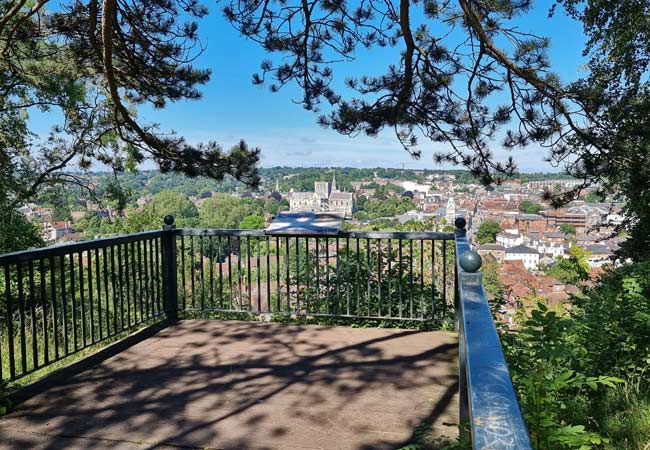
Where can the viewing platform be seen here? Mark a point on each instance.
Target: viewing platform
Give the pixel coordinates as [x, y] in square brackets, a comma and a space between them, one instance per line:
[252, 385]
[123, 322]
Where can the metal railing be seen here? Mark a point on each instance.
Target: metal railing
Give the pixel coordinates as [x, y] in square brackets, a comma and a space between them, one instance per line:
[489, 409]
[61, 300]
[361, 275]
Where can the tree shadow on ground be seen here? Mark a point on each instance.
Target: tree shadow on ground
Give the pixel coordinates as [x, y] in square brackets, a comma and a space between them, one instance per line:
[243, 385]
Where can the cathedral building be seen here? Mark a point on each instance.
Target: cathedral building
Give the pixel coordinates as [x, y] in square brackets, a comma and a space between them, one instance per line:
[325, 198]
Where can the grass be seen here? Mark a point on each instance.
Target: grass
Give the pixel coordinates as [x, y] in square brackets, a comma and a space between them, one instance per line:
[623, 414]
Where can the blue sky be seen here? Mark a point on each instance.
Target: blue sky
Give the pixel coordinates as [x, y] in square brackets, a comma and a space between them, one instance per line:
[233, 108]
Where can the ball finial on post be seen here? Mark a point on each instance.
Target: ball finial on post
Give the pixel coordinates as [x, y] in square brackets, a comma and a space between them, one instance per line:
[460, 223]
[470, 261]
[169, 220]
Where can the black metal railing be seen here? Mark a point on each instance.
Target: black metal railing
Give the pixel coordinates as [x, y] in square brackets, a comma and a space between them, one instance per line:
[62, 300]
[372, 275]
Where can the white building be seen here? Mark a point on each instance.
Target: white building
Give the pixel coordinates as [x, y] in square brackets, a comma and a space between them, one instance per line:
[415, 187]
[509, 240]
[450, 211]
[528, 255]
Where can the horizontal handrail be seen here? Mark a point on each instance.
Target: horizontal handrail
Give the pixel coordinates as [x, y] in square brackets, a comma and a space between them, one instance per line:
[75, 247]
[488, 399]
[405, 235]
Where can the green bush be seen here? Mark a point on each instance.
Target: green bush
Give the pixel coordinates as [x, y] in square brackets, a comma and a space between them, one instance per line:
[582, 377]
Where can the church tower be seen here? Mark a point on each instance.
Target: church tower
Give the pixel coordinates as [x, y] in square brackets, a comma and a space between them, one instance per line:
[334, 189]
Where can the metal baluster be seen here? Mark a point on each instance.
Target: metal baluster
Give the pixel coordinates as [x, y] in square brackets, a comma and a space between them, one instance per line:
[379, 313]
[158, 279]
[390, 259]
[317, 276]
[369, 276]
[338, 278]
[421, 279]
[259, 278]
[211, 260]
[114, 288]
[307, 274]
[400, 273]
[327, 276]
[21, 311]
[410, 278]
[32, 312]
[183, 268]
[239, 275]
[140, 289]
[91, 316]
[74, 304]
[153, 270]
[347, 281]
[248, 271]
[120, 275]
[146, 280]
[55, 331]
[268, 274]
[192, 271]
[221, 261]
[297, 276]
[357, 278]
[107, 312]
[10, 324]
[64, 307]
[277, 271]
[127, 279]
[230, 268]
[82, 299]
[433, 278]
[202, 276]
[444, 281]
[287, 262]
[46, 349]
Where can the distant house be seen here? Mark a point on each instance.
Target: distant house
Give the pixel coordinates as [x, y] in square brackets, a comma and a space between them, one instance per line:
[528, 255]
[509, 240]
[527, 223]
[52, 231]
[598, 255]
[496, 250]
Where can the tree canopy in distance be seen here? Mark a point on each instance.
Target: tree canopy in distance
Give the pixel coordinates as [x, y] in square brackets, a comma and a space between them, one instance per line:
[465, 74]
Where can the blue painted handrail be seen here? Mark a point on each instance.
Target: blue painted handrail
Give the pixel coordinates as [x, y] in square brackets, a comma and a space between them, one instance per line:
[488, 402]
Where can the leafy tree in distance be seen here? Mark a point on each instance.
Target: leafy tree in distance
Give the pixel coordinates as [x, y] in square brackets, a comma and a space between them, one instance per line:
[571, 270]
[178, 205]
[487, 232]
[224, 211]
[252, 222]
[18, 233]
[360, 203]
[530, 207]
[568, 229]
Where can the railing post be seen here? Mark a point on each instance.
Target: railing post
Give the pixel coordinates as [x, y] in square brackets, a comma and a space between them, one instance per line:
[463, 407]
[170, 282]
